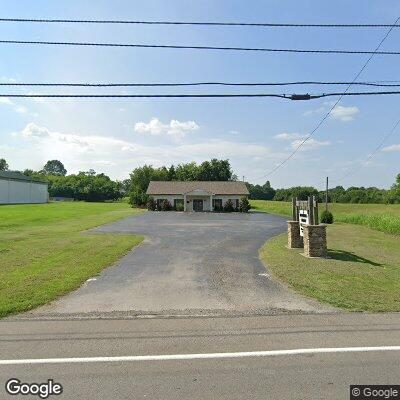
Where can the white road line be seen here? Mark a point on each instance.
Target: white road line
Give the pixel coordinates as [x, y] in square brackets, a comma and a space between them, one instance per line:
[168, 357]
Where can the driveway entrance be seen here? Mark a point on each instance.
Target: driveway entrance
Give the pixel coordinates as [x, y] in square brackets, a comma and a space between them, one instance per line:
[193, 263]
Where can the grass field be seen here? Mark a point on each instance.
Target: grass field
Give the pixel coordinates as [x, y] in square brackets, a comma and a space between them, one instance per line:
[44, 251]
[362, 273]
[381, 217]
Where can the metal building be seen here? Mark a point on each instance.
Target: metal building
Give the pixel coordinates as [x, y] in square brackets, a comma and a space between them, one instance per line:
[16, 188]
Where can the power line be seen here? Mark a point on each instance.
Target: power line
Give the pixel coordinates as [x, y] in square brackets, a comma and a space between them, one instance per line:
[369, 157]
[326, 116]
[177, 84]
[249, 24]
[296, 97]
[180, 47]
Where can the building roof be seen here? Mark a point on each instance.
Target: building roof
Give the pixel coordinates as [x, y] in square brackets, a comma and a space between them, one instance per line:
[17, 176]
[181, 187]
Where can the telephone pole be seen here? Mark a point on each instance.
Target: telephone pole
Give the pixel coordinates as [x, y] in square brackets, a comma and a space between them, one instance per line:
[326, 194]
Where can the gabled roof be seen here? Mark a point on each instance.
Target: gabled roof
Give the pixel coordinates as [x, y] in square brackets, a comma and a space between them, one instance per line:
[17, 176]
[181, 187]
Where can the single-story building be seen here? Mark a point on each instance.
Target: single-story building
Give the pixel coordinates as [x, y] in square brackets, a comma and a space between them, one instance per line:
[198, 195]
[16, 188]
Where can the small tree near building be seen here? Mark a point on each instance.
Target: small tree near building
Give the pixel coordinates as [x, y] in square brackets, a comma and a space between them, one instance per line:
[151, 204]
[166, 206]
[244, 205]
[228, 207]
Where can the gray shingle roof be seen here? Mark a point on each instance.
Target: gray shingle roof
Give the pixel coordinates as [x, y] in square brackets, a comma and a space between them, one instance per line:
[17, 176]
[180, 187]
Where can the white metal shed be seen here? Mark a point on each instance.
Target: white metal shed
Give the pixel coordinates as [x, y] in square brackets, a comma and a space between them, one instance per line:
[16, 188]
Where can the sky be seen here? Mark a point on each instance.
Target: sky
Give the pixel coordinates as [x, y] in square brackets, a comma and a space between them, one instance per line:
[115, 136]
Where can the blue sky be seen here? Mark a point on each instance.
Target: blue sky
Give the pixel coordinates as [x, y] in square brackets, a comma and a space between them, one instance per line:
[114, 136]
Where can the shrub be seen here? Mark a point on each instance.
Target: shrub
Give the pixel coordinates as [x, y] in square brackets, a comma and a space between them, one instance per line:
[326, 217]
[179, 206]
[228, 207]
[244, 205]
[151, 204]
[138, 198]
[166, 205]
[218, 207]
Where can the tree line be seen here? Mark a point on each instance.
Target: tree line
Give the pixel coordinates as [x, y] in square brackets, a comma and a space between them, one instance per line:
[86, 186]
[91, 186]
[338, 194]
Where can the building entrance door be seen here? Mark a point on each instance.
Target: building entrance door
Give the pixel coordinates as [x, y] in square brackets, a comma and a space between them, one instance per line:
[197, 205]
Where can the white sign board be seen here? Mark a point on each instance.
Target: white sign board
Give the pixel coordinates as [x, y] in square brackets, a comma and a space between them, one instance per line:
[303, 219]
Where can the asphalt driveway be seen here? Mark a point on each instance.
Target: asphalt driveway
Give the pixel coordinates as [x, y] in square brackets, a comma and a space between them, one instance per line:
[191, 262]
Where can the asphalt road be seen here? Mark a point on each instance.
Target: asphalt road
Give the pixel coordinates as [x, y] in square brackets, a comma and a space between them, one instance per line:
[312, 376]
[193, 262]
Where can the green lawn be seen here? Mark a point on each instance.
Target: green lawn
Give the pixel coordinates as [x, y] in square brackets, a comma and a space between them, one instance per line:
[45, 251]
[381, 217]
[362, 273]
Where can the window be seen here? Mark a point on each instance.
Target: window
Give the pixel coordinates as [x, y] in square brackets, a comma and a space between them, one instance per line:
[217, 204]
[159, 203]
[178, 204]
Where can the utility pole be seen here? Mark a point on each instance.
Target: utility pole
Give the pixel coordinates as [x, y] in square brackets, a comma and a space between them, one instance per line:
[326, 194]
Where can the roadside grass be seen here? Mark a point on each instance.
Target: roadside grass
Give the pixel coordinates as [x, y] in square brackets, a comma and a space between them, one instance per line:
[45, 250]
[381, 217]
[362, 273]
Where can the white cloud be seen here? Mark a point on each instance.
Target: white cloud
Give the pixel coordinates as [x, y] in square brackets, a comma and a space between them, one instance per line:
[21, 110]
[310, 144]
[340, 113]
[175, 129]
[393, 147]
[289, 136]
[33, 130]
[118, 157]
[6, 100]
[18, 109]
[343, 113]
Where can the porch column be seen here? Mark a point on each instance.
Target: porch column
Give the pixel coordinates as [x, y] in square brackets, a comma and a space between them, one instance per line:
[211, 205]
[184, 202]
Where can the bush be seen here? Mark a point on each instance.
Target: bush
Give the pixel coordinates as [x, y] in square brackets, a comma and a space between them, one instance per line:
[228, 207]
[326, 217]
[179, 206]
[244, 205]
[166, 205]
[137, 198]
[151, 205]
[218, 208]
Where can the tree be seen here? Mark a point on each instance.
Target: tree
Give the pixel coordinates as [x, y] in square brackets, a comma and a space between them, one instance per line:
[3, 165]
[393, 196]
[54, 167]
[244, 205]
[216, 170]
[258, 192]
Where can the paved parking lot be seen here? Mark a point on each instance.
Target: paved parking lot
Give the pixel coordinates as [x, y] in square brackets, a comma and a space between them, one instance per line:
[193, 262]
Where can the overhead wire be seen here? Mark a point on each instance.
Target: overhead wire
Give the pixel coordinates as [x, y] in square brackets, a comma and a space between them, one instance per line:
[212, 83]
[326, 116]
[192, 47]
[196, 23]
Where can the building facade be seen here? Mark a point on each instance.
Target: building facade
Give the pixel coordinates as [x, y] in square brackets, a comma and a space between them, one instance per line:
[197, 195]
[16, 188]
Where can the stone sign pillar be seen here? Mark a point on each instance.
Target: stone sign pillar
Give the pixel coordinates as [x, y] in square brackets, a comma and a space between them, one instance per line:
[315, 241]
[295, 241]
